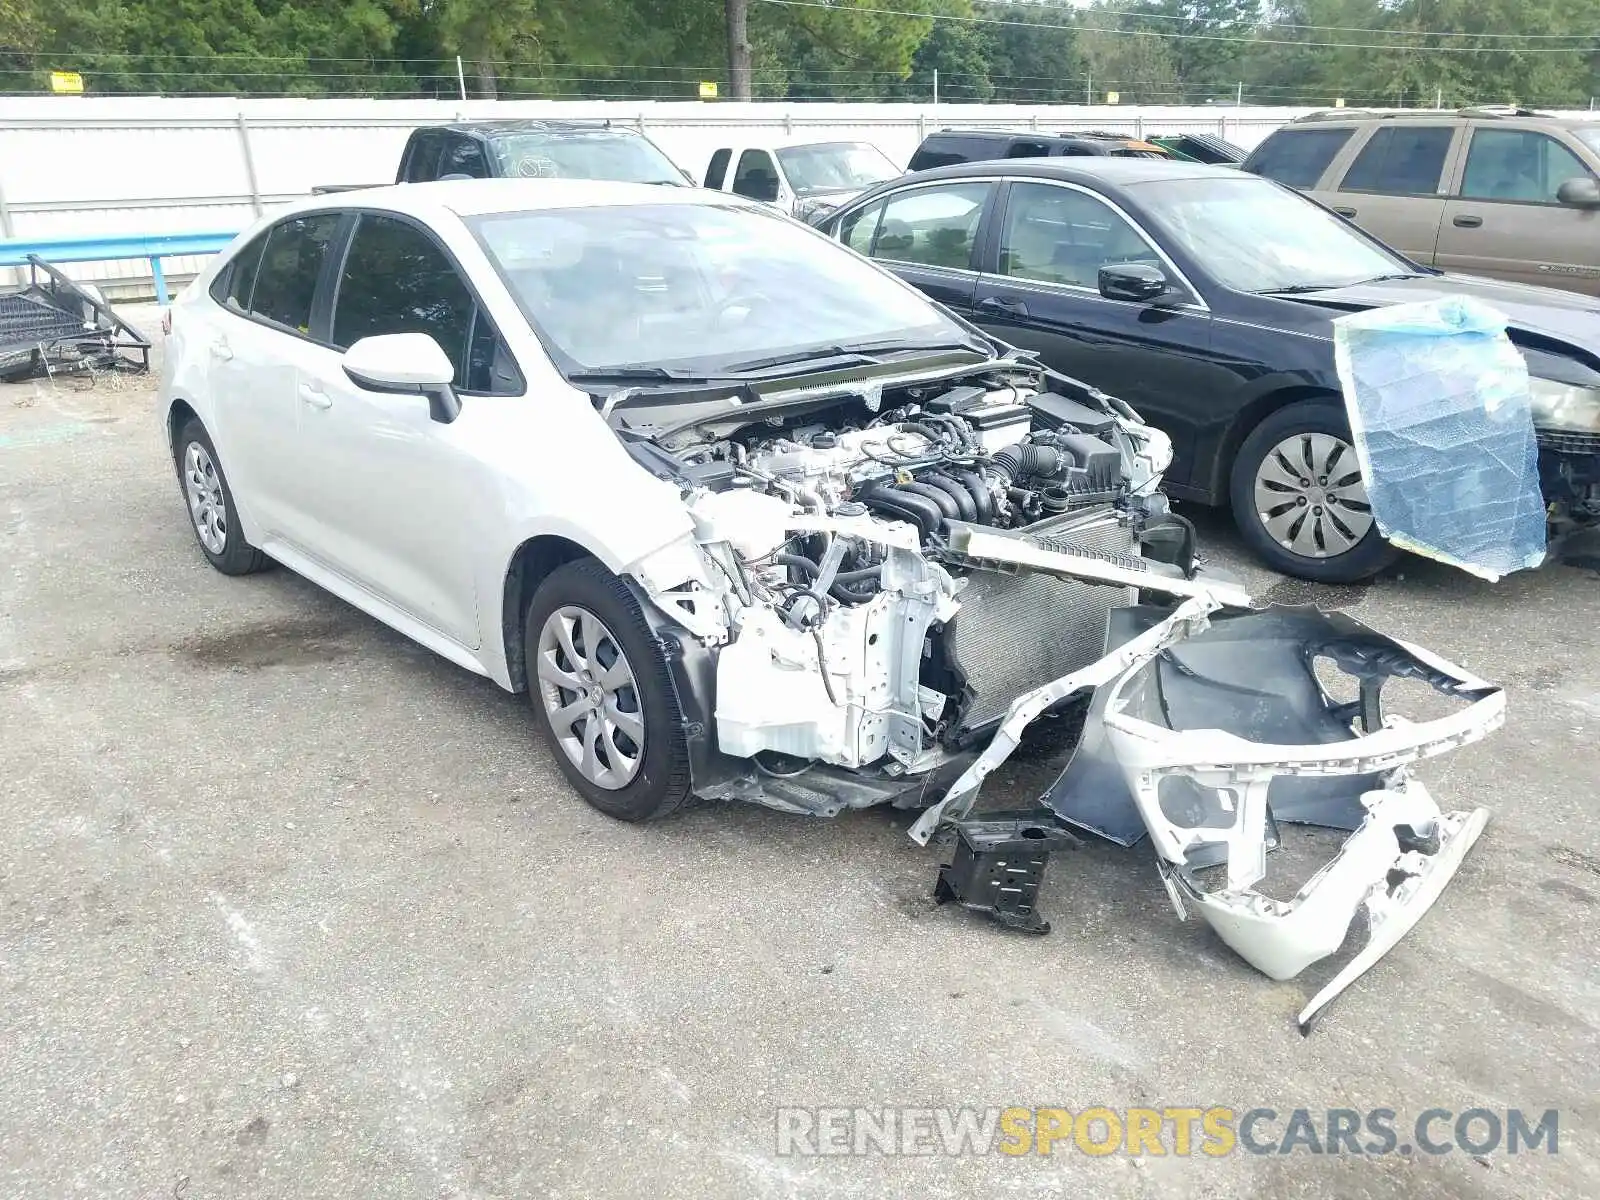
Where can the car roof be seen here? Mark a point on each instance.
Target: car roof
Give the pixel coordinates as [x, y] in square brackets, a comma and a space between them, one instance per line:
[1099, 135]
[482, 197]
[1364, 116]
[531, 125]
[1116, 171]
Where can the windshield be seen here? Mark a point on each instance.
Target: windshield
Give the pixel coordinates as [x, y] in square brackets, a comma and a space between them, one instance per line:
[835, 166]
[583, 154]
[1589, 135]
[1255, 236]
[696, 287]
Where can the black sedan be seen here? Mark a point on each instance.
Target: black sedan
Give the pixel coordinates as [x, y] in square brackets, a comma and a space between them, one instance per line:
[1205, 298]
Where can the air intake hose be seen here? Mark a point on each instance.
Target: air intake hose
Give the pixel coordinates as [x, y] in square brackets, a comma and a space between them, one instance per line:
[1025, 459]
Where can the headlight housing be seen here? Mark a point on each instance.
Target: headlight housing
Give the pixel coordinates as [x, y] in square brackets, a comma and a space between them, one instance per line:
[1566, 406]
[1564, 392]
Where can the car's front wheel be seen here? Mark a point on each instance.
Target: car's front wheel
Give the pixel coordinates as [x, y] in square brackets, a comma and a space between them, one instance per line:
[602, 694]
[1299, 499]
[212, 515]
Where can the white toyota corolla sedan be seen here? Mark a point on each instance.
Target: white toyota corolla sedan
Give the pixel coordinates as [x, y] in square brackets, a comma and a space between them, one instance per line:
[749, 518]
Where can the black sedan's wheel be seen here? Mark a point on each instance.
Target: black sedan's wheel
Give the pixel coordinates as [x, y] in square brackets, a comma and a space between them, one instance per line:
[602, 694]
[212, 515]
[1299, 499]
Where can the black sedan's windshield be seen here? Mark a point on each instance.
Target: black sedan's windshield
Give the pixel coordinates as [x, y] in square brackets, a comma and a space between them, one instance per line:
[699, 288]
[1254, 236]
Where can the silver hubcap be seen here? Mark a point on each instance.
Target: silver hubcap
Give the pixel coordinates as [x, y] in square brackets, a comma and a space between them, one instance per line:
[591, 697]
[206, 505]
[1310, 497]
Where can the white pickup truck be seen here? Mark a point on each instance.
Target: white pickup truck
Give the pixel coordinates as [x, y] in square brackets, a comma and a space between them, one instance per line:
[807, 180]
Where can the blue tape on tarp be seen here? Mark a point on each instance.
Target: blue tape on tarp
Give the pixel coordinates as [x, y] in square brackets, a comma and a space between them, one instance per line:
[1439, 405]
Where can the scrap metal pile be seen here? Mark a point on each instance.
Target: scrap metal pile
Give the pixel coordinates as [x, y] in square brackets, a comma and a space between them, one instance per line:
[54, 325]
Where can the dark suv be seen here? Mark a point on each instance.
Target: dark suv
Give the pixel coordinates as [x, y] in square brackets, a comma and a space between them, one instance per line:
[949, 147]
[537, 150]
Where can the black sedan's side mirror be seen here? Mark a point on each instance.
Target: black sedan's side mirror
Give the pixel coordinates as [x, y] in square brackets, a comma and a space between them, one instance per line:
[1138, 282]
[1582, 192]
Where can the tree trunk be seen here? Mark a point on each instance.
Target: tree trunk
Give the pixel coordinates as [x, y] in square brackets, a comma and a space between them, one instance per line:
[739, 48]
[488, 83]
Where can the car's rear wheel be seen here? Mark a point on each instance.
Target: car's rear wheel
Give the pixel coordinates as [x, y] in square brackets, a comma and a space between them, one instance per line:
[212, 515]
[602, 694]
[1299, 499]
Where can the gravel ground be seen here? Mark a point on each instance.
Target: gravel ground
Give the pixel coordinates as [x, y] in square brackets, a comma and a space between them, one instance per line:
[292, 908]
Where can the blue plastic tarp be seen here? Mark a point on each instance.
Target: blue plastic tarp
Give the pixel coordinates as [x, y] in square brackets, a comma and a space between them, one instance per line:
[1438, 402]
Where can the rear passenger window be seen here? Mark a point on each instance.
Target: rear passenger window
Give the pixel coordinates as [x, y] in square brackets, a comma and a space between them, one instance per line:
[1297, 157]
[396, 279]
[718, 170]
[1400, 160]
[233, 286]
[286, 282]
[1028, 150]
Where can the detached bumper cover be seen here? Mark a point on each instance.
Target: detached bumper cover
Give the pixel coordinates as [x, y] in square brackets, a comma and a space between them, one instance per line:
[1210, 726]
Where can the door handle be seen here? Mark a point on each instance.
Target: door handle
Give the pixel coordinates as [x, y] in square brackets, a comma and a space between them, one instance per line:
[1003, 304]
[1345, 212]
[220, 349]
[1466, 221]
[315, 396]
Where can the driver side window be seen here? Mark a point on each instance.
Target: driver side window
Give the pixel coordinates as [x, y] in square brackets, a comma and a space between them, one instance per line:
[756, 176]
[1518, 165]
[932, 226]
[1061, 235]
[396, 279]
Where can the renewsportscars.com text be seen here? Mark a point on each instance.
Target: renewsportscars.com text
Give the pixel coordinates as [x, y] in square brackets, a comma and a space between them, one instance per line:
[1180, 1131]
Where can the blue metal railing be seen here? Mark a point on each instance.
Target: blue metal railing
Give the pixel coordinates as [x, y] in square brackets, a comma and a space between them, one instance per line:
[14, 252]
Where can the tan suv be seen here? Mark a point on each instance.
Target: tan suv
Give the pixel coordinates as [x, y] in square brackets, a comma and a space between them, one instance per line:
[1507, 193]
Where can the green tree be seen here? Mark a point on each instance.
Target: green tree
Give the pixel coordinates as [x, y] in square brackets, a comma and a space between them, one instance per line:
[1033, 65]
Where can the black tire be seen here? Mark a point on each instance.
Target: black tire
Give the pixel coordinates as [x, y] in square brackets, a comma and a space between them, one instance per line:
[661, 785]
[1364, 559]
[236, 556]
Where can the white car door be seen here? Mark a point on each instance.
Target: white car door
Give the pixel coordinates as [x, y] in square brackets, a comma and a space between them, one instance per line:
[400, 499]
[253, 345]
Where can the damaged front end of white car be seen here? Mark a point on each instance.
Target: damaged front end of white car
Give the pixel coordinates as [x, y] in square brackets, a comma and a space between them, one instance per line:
[891, 575]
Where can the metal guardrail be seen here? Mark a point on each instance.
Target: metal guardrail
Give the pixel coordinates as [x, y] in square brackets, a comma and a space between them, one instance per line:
[17, 252]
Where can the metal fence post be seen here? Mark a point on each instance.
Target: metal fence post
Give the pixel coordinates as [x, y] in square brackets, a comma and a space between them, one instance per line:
[5, 216]
[249, 174]
[1138, 126]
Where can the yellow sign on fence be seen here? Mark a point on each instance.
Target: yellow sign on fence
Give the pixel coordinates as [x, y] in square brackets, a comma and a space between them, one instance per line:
[66, 81]
[708, 90]
[1113, 97]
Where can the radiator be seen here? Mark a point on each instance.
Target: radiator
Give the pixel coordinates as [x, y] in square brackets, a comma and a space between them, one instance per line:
[1015, 632]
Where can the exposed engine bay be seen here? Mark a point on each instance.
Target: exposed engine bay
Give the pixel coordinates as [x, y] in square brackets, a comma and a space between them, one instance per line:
[863, 634]
[888, 584]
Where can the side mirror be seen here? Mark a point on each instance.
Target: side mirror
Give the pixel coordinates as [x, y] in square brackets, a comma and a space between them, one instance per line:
[1582, 192]
[407, 364]
[1138, 282]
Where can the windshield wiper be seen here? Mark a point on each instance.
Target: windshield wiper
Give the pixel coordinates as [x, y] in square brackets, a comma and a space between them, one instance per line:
[1298, 289]
[853, 352]
[638, 375]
